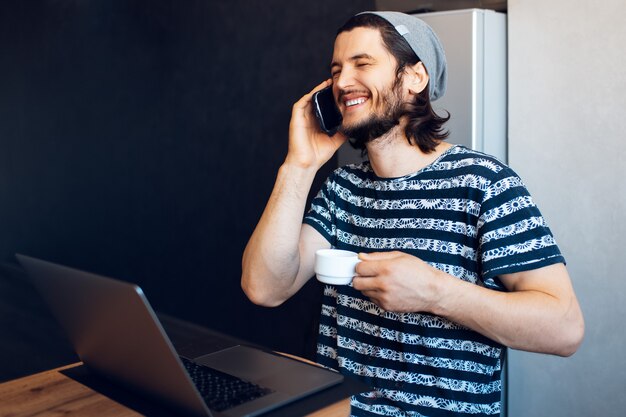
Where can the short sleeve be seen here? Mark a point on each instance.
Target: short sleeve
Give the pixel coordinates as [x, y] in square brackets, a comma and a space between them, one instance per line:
[513, 235]
[320, 215]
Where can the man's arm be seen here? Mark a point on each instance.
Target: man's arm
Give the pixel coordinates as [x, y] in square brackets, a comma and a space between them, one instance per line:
[279, 257]
[280, 254]
[540, 313]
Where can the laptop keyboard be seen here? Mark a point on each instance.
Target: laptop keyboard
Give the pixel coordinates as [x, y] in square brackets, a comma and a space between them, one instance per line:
[220, 390]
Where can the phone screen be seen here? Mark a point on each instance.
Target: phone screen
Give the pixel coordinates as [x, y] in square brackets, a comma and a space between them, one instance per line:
[326, 111]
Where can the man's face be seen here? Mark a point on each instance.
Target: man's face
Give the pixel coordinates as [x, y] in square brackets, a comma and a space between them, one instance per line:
[368, 93]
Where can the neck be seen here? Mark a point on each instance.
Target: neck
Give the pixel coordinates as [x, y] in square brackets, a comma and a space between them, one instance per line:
[392, 156]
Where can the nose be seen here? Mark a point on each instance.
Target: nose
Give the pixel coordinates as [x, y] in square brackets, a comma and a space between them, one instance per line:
[345, 79]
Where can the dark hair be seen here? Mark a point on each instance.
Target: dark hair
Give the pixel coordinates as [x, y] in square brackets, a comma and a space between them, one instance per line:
[425, 127]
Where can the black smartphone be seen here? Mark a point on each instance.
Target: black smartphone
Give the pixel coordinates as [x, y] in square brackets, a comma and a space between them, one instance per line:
[326, 111]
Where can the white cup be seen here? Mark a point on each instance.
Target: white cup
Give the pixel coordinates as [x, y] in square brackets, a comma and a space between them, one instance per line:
[335, 266]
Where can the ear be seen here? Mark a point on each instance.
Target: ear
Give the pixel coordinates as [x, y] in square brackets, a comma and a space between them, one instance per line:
[417, 78]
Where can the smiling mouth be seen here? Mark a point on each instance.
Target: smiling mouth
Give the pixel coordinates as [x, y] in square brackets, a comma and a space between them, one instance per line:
[355, 101]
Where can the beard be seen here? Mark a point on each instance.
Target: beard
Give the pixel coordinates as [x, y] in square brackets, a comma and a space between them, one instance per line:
[377, 125]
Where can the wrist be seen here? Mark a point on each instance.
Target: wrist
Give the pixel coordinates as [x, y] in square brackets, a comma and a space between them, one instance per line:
[295, 179]
[298, 169]
[441, 294]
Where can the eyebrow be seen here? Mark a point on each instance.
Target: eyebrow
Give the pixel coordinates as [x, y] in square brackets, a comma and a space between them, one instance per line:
[352, 58]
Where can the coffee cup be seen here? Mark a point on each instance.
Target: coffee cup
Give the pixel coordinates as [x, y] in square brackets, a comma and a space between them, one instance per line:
[335, 266]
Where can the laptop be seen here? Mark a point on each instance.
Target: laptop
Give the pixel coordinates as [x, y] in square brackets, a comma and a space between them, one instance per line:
[118, 336]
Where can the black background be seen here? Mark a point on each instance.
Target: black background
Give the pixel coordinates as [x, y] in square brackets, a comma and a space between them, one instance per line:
[141, 139]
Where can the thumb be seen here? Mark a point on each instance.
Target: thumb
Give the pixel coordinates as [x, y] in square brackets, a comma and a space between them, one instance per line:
[378, 256]
[339, 139]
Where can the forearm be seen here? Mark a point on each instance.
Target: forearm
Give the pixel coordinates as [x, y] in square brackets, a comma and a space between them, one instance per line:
[539, 313]
[524, 319]
[271, 258]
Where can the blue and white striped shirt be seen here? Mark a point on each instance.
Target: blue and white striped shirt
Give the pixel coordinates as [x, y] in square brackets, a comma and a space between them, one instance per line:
[466, 214]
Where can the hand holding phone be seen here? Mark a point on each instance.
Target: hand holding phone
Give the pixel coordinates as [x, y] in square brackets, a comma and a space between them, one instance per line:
[326, 111]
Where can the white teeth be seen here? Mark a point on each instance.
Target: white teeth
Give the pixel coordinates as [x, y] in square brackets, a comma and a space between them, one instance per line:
[355, 101]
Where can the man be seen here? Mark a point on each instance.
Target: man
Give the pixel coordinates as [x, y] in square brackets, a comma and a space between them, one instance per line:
[457, 261]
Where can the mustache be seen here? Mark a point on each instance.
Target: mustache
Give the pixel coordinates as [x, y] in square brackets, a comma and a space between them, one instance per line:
[343, 93]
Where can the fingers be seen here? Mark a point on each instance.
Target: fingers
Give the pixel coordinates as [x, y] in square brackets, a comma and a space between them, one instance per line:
[323, 84]
[306, 99]
[365, 285]
[377, 263]
[379, 256]
[372, 268]
[373, 297]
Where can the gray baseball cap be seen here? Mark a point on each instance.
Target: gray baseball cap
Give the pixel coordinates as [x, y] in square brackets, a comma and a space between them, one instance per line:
[426, 45]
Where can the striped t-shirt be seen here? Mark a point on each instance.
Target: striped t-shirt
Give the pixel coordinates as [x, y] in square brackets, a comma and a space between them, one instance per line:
[466, 214]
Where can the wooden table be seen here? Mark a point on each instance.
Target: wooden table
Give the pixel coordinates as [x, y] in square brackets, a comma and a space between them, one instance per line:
[54, 393]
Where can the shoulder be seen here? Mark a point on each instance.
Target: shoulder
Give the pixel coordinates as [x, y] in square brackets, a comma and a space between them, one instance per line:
[491, 169]
[360, 169]
[353, 173]
[460, 156]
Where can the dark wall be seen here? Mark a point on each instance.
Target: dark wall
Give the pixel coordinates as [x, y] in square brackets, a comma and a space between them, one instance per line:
[140, 139]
